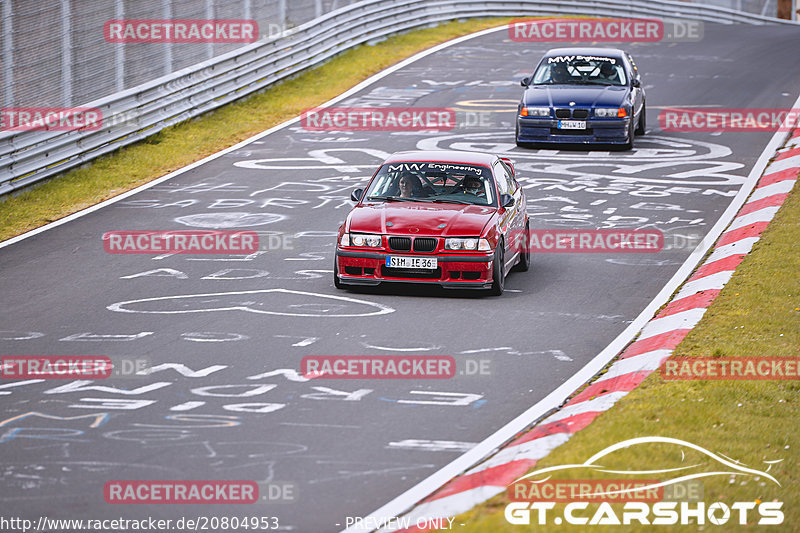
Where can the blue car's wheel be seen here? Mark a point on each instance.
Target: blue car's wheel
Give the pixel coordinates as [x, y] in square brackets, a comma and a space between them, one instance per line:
[629, 145]
[640, 127]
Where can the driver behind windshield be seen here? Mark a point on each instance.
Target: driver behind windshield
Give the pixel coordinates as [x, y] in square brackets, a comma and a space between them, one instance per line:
[472, 185]
[559, 73]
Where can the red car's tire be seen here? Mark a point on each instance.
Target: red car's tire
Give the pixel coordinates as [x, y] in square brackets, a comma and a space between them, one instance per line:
[525, 255]
[336, 282]
[498, 277]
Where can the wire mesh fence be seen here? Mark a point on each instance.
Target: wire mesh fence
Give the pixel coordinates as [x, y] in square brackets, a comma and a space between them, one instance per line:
[54, 53]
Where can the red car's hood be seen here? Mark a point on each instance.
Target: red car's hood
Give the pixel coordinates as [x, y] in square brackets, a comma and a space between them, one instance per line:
[406, 218]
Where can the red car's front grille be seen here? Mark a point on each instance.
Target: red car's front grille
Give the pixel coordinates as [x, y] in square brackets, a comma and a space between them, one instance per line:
[424, 244]
[420, 244]
[400, 244]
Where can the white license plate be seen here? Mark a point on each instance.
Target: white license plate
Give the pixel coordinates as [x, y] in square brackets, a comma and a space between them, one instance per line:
[425, 263]
[572, 124]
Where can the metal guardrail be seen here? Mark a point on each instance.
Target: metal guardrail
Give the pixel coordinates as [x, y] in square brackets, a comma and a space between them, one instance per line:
[132, 115]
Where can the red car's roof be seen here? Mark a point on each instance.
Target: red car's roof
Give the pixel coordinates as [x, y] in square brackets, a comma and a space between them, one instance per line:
[442, 156]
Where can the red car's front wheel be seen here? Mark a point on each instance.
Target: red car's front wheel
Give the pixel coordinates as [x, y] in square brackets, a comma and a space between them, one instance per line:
[498, 271]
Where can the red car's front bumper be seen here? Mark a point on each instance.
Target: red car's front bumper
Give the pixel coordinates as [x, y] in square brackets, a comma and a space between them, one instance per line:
[465, 271]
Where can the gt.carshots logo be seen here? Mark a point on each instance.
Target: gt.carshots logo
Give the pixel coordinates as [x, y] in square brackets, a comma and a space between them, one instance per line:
[378, 119]
[640, 499]
[180, 31]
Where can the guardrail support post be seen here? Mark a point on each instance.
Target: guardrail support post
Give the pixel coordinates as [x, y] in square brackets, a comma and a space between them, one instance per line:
[119, 50]
[167, 46]
[282, 14]
[66, 52]
[8, 55]
[209, 16]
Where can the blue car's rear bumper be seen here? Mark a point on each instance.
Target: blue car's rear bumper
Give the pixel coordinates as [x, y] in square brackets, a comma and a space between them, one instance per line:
[598, 131]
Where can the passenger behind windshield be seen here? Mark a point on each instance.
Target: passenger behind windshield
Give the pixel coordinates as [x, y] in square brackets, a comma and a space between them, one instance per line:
[410, 187]
[569, 71]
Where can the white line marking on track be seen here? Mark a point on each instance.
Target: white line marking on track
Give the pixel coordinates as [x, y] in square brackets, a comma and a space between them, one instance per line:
[762, 215]
[448, 506]
[683, 320]
[601, 403]
[483, 350]
[781, 187]
[391, 349]
[783, 164]
[742, 246]
[706, 283]
[534, 449]
[245, 306]
[647, 361]
[432, 445]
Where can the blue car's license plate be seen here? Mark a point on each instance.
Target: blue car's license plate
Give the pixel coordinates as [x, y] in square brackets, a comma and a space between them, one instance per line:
[572, 124]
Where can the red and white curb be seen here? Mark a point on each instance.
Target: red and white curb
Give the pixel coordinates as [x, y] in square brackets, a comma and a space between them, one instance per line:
[638, 360]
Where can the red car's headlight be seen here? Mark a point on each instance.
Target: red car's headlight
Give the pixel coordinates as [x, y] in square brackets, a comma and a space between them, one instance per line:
[467, 244]
[361, 239]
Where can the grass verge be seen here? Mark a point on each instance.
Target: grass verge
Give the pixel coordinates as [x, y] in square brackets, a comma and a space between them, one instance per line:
[756, 314]
[192, 140]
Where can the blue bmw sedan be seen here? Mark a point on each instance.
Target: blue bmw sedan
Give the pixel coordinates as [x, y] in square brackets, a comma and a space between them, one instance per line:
[582, 96]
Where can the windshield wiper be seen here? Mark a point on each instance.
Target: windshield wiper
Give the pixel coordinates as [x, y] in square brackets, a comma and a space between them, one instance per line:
[392, 198]
[451, 201]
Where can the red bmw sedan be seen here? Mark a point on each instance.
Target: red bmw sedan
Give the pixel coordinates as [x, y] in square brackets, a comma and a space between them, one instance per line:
[440, 217]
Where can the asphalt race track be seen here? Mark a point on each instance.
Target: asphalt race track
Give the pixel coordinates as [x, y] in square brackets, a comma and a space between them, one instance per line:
[240, 325]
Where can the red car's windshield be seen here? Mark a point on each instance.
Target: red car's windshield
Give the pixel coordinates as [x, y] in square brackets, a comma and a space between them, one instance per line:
[433, 182]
